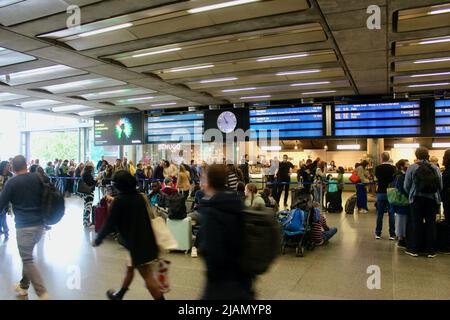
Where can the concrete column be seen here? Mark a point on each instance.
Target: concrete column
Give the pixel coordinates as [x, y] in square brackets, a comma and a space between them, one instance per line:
[374, 149]
[130, 153]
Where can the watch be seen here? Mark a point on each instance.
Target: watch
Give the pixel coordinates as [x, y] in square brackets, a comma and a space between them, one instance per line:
[227, 121]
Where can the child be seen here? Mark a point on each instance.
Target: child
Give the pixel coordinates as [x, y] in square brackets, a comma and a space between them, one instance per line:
[321, 233]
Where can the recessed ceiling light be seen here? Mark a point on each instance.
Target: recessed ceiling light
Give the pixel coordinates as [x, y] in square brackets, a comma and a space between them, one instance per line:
[433, 60]
[219, 80]
[288, 73]
[429, 85]
[191, 68]
[39, 103]
[309, 83]
[136, 99]
[348, 147]
[256, 97]
[447, 10]
[73, 107]
[439, 40]
[154, 52]
[107, 29]
[88, 113]
[282, 57]
[239, 89]
[113, 91]
[430, 74]
[163, 104]
[221, 5]
[38, 71]
[319, 92]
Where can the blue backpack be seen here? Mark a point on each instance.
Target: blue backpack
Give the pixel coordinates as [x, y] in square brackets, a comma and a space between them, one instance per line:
[295, 222]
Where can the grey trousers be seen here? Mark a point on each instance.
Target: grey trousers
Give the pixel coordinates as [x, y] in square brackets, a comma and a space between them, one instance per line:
[27, 238]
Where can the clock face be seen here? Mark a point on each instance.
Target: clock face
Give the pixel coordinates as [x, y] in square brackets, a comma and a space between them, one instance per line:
[226, 122]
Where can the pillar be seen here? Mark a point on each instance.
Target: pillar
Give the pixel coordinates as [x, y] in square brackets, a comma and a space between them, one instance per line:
[375, 147]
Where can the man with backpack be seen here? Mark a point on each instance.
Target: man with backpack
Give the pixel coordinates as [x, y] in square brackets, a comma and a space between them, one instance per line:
[24, 191]
[423, 183]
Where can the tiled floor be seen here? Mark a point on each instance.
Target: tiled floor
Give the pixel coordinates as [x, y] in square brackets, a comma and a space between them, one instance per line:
[336, 271]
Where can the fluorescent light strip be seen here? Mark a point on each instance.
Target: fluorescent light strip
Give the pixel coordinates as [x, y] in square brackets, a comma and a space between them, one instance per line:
[348, 147]
[191, 68]
[88, 113]
[282, 57]
[256, 97]
[39, 71]
[221, 5]
[440, 11]
[435, 41]
[405, 145]
[136, 99]
[288, 73]
[163, 104]
[433, 60]
[113, 92]
[319, 92]
[309, 83]
[271, 148]
[430, 74]
[440, 144]
[73, 107]
[155, 52]
[429, 85]
[219, 80]
[240, 89]
[104, 30]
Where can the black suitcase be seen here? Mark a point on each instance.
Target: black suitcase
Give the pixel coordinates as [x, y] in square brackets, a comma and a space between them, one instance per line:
[332, 202]
[442, 235]
[350, 204]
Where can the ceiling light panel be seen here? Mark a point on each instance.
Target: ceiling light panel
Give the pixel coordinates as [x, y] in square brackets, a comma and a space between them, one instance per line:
[83, 85]
[423, 18]
[6, 96]
[115, 93]
[424, 65]
[39, 103]
[39, 74]
[168, 19]
[69, 108]
[9, 57]
[422, 46]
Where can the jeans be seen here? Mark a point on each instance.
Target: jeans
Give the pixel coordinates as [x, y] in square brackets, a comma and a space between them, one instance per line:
[3, 223]
[27, 238]
[327, 235]
[422, 226]
[402, 220]
[271, 184]
[361, 196]
[382, 205]
[282, 185]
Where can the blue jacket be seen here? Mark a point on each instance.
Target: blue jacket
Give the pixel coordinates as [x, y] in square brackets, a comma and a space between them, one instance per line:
[410, 186]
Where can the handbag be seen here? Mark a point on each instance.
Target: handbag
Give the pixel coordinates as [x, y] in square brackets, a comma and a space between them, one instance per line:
[396, 198]
[163, 236]
[354, 178]
[84, 188]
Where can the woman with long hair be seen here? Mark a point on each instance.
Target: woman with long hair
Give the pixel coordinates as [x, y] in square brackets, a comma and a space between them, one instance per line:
[129, 215]
[252, 198]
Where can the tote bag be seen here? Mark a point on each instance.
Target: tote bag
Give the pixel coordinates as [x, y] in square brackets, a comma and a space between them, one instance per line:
[163, 236]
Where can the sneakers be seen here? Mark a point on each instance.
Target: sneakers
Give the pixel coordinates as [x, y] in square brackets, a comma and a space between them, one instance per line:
[194, 253]
[431, 255]
[411, 253]
[392, 238]
[363, 211]
[20, 292]
[377, 237]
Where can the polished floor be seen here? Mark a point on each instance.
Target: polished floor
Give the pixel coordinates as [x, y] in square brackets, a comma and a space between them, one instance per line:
[335, 271]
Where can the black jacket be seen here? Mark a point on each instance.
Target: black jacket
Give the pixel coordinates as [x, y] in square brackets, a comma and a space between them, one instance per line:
[129, 215]
[158, 173]
[445, 193]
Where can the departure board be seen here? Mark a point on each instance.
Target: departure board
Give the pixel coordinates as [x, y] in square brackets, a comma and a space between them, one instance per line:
[442, 113]
[378, 119]
[291, 123]
[175, 128]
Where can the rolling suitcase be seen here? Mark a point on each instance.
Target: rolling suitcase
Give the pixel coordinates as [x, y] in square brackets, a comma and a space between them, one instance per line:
[350, 205]
[100, 215]
[182, 232]
[332, 199]
[442, 235]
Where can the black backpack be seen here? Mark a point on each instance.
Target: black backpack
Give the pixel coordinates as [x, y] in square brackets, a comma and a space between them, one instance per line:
[53, 205]
[176, 206]
[261, 241]
[426, 179]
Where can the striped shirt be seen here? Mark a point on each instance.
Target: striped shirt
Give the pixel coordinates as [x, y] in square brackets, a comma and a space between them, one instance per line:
[232, 180]
[318, 228]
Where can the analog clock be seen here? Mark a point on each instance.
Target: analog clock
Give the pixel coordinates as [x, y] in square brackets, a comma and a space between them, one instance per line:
[226, 122]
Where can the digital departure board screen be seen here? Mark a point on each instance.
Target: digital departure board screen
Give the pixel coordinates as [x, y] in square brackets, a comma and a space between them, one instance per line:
[292, 123]
[118, 130]
[442, 113]
[378, 119]
[175, 128]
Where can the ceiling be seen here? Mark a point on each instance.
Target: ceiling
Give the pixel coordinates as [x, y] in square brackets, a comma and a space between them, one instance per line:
[142, 55]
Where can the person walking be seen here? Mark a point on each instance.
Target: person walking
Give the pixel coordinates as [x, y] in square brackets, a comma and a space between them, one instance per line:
[87, 177]
[361, 191]
[284, 179]
[384, 173]
[130, 217]
[220, 239]
[423, 183]
[29, 222]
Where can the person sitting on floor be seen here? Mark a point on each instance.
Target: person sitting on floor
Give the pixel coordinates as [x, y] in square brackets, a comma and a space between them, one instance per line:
[321, 232]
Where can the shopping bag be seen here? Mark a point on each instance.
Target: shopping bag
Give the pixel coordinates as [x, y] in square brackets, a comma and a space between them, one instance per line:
[160, 270]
